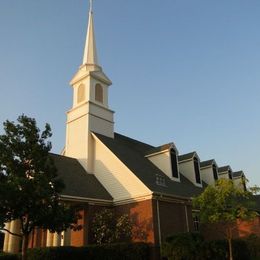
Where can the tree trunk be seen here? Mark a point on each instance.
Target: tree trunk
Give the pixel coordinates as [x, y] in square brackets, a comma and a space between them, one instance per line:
[25, 246]
[230, 244]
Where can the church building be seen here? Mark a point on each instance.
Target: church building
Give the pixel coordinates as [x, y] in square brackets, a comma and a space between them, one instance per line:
[104, 169]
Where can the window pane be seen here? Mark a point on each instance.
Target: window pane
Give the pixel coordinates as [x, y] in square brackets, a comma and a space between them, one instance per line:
[99, 93]
[197, 170]
[174, 165]
[81, 93]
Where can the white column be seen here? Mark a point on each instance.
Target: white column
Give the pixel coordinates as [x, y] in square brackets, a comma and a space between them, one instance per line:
[66, 238]
[7, 236]
[14, 241]
[49, 240]
[57, 239]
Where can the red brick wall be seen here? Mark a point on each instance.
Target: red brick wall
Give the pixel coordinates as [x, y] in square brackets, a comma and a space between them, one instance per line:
[78, 238]
[141, 214]
[245, 228]
[240, 229]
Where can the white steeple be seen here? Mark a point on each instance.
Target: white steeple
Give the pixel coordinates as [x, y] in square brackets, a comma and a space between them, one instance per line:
[90, 52]
[90, 112]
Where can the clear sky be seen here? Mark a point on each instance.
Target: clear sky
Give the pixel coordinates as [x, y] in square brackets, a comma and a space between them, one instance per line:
[184, 71]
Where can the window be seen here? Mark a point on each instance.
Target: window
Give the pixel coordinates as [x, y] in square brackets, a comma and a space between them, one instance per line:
[230, 174]
[81, 93]
[99, 93]
[215, 172]
[197, 170]
[174, 164]
[196, 221]
[160, 180]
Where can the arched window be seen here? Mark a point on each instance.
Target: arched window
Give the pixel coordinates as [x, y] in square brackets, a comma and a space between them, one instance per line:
[81, 93]
[197, 170]
[99, 93]
[174, 163]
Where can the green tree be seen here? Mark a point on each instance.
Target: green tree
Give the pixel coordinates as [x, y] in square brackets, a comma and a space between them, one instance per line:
[29, 186]
[107, 228]
[223, 204]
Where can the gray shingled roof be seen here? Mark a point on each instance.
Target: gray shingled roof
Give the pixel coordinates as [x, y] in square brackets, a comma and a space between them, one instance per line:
[132, 153]
[78, 182]
[207, 163]
[223, 169]
[159, 149]
[237, 174]
[186, 156]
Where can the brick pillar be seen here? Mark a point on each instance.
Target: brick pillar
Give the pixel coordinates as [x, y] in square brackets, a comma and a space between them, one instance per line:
[66, 238]
[7, 236]
[14, 241]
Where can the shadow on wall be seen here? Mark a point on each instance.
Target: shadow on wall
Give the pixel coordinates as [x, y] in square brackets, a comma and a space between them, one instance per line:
[110, 178]
[141, 214]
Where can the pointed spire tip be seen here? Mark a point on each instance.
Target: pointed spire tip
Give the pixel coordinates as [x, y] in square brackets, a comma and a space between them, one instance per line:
[91, 6]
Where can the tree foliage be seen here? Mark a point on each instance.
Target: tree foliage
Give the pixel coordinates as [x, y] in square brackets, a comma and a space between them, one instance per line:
[107, 228]
[223, 204]
[29, 186]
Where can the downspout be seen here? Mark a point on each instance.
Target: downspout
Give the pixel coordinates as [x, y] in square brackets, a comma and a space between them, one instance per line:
[186, 216]
[158, 222]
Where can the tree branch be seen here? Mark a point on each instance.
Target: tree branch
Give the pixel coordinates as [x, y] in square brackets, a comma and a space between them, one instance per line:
[4, 229]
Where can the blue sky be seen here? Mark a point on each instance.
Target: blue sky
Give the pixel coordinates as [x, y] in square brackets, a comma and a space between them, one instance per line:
[184, 71]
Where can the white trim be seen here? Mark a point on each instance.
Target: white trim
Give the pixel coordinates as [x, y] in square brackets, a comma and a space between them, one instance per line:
[132, 200]
[156, 153]
[84, 199]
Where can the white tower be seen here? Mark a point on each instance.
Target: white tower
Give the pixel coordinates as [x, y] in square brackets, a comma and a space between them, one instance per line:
[90, 111]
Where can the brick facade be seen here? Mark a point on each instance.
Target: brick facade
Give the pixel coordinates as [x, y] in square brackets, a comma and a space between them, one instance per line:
[240, 229]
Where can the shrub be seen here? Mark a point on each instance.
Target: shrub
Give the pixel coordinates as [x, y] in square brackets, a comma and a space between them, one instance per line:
[6, 256]
[126, 251]
[108, 228]
[56, 253]
[193, 247]
[183, 246]
[253, 245]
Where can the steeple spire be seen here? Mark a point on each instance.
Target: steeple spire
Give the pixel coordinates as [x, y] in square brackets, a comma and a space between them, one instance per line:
[90, 52]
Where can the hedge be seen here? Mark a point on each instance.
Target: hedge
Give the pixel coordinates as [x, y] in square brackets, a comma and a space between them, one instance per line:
[5, 256]
[192, 246]
[126, 251]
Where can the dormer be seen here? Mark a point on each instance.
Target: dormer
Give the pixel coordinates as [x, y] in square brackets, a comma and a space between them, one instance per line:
[165, 157]
[209, 171]
[189, 165]
[225, 172]
[239, 179]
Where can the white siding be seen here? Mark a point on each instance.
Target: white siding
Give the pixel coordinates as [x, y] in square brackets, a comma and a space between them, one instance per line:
[207, 175]
[187, 169]
[163, 162]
